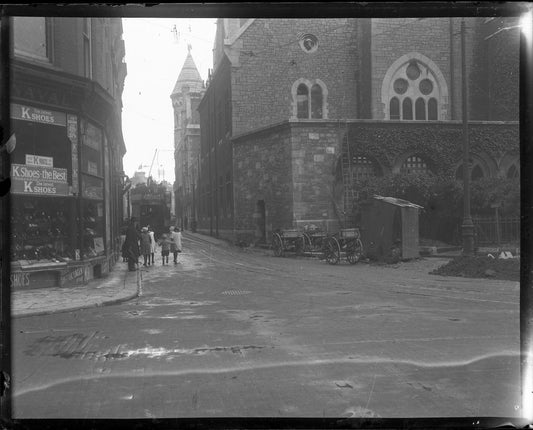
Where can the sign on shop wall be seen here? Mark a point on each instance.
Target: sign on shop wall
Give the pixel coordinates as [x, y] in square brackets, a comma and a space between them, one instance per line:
[38, 180]
[92, 137]
[72, 133]
[39, 160]
[92, 188]
[33, 114]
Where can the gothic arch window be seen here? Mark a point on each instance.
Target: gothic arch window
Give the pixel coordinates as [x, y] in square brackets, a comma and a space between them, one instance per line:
[418, 85]
[302, 101]
[477, 171]
[415, 164]
[309, 99]
[316, 101]
[362, 167]
[513, 172]
[394, 108]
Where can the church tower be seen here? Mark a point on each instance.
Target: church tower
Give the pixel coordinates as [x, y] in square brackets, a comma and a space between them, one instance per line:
[186, 96]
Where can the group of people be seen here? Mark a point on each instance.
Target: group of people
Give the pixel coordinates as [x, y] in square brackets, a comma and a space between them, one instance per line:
[144, 243]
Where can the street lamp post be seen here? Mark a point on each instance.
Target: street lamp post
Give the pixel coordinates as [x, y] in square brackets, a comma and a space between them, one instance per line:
[467, 226]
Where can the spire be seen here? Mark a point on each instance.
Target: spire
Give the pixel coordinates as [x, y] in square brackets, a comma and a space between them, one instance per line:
[189, 75]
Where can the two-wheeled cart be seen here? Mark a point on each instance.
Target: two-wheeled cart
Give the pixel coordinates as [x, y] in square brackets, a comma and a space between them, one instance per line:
[344, 244]
[314, 241]
[284, 241]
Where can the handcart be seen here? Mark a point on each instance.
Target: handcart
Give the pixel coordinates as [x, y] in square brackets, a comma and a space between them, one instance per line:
[284, 241]
[344, 244]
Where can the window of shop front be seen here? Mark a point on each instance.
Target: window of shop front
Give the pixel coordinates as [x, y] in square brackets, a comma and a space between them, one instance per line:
[43, 211]
[92, 183]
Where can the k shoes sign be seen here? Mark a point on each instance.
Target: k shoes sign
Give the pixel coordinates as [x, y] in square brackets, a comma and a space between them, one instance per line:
[28, 113]
[38, 180]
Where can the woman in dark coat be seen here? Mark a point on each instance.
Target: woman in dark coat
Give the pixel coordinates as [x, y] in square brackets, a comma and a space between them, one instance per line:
[131, 245]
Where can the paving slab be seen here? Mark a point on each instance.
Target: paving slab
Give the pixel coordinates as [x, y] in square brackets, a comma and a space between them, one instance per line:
[118, 286]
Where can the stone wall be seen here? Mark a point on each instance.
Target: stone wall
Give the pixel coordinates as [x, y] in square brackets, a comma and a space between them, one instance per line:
[270, 60]
[262, 171]
[440, 144]
[291, 166]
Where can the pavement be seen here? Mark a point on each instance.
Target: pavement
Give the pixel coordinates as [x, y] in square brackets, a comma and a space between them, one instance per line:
[118, 286]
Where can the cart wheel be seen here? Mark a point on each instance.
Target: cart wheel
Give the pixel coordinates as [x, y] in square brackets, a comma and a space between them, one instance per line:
[277, 245]
[355, 252]
[333, 251]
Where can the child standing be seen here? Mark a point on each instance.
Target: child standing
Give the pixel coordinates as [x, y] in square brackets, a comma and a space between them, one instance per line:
[164, 243]
[152, 244]
[145, 245]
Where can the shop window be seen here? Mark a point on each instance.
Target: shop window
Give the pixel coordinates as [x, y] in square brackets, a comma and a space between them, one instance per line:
[415, 165]
[93, 228]
[91, 156]
[394, 108]
[43, 229]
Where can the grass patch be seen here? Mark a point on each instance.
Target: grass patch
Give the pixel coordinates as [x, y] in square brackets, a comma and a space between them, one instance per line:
[481, 267]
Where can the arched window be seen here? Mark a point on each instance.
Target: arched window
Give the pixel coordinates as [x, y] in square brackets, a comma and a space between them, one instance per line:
[476, 171]
[364, 168]
[420, 109]
[394, 108]
[513, 172]
[309, 99]
[302, 100]
[432, 109]
[415, 165]
[316, 101]
[407, 109]
[416, 78]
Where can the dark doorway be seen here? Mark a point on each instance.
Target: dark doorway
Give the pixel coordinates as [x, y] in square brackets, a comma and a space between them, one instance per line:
[261, 221]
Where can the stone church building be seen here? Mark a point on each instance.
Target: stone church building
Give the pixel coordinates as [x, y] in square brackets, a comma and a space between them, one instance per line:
[289, 102]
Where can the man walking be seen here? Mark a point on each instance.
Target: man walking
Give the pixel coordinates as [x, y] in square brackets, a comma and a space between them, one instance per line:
[131, 245]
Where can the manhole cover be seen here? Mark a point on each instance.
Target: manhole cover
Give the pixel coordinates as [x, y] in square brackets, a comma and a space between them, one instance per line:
[235, 292]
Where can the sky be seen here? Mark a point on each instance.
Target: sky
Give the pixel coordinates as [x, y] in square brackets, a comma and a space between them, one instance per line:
[154, 57]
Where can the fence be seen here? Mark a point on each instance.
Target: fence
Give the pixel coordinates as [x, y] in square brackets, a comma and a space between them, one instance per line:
[486, 232]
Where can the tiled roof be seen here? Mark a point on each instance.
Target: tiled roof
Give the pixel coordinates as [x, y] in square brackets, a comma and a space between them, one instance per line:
[190, 76]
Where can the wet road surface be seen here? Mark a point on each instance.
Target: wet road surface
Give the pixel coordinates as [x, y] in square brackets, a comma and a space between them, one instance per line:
[228, 332]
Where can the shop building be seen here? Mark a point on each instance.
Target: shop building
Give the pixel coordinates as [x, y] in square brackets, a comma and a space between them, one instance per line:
[67, 176]
[289, 123]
